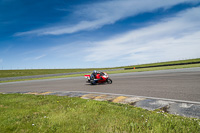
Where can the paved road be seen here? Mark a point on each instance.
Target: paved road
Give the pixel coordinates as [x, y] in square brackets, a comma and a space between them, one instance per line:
[180, 84]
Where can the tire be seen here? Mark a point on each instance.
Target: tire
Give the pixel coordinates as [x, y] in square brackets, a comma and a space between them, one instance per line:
[109, 81]
[92, 82]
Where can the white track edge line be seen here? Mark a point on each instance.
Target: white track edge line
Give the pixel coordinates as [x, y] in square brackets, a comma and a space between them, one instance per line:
[165, 99]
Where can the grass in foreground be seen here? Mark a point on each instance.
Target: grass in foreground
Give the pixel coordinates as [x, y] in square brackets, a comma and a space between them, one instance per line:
[30, 113]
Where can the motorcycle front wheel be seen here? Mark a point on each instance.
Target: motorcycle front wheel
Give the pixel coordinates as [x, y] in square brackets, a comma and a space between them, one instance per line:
[109, 81]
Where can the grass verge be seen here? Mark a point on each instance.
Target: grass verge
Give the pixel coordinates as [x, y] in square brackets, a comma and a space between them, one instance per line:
[53, 77]
[112, 72]
[190, 61]
[37, 113]
[31, 72]
[155, 68]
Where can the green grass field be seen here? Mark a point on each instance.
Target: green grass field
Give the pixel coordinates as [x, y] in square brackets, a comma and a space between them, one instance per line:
[112, 72]
[30, 72]
[155, 68]
[16, 73]
[49, 114]
[165, 63]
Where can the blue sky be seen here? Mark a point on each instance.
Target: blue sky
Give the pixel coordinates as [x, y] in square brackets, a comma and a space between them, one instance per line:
[37, 34]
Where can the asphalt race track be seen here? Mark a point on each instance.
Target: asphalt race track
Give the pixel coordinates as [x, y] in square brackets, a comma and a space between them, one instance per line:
[179, 84]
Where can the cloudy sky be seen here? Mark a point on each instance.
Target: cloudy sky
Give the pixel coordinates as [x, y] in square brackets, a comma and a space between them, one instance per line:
[97, 33]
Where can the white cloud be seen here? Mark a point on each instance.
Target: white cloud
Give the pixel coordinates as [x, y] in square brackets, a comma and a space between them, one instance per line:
[1, 60]
[100, 14]
[28, 58]
[39, 57]
[170, 39]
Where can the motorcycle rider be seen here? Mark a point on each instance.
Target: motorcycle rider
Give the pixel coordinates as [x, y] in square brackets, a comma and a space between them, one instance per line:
[98, 77]
[94, 76]
[94, 73]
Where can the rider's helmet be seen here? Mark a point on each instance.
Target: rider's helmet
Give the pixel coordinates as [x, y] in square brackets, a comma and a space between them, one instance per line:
[94, 71]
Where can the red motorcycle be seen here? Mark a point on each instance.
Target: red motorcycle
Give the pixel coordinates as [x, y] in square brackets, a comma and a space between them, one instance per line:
[98, 78]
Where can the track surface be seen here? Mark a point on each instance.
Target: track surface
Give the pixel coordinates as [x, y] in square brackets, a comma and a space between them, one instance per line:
[180, 84]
